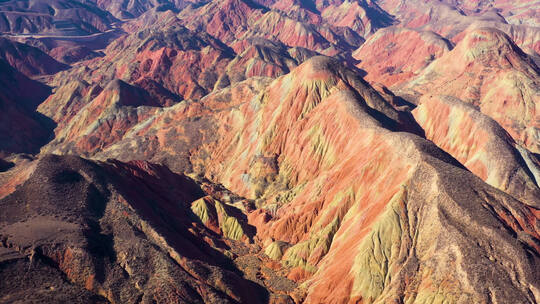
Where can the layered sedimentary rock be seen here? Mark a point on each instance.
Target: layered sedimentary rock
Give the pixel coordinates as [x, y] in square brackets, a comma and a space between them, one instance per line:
[340, 195]
[105, 119]
[126, 9]
[394, 55]
[329, 29]
[481, 145]
[450, 19]
[519, 12]
[262, 58]
[163, 56]
[228, 162]
[364, 17]
[487, 70]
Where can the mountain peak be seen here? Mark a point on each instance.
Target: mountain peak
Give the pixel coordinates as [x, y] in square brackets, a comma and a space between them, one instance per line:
[129, 95]
[483, 44]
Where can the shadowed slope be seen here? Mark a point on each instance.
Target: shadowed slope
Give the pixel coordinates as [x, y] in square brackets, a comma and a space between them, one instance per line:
[22, 129]
[28, 60]
[123, 231]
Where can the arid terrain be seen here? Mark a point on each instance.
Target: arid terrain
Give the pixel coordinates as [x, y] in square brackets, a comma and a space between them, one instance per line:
[270, 151]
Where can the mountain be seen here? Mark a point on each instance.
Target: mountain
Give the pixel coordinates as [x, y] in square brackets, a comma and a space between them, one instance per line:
[269, 151]
[114, 110]
[520, 12]
[450, 18]
[317, 229]
[394, 55]
[29, 60]
[22, 129]
[329, 31]
[481, 145]
[118, 237]
[126, 9]
[485, 64]
[57, 17]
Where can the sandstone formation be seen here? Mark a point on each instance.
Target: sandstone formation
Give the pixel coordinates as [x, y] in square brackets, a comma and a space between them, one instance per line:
[394, 55]
[269, 151]
[487, 70]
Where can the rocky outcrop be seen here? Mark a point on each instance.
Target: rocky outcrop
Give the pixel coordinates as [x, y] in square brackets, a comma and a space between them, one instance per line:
[330, 29]
[180, 61]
